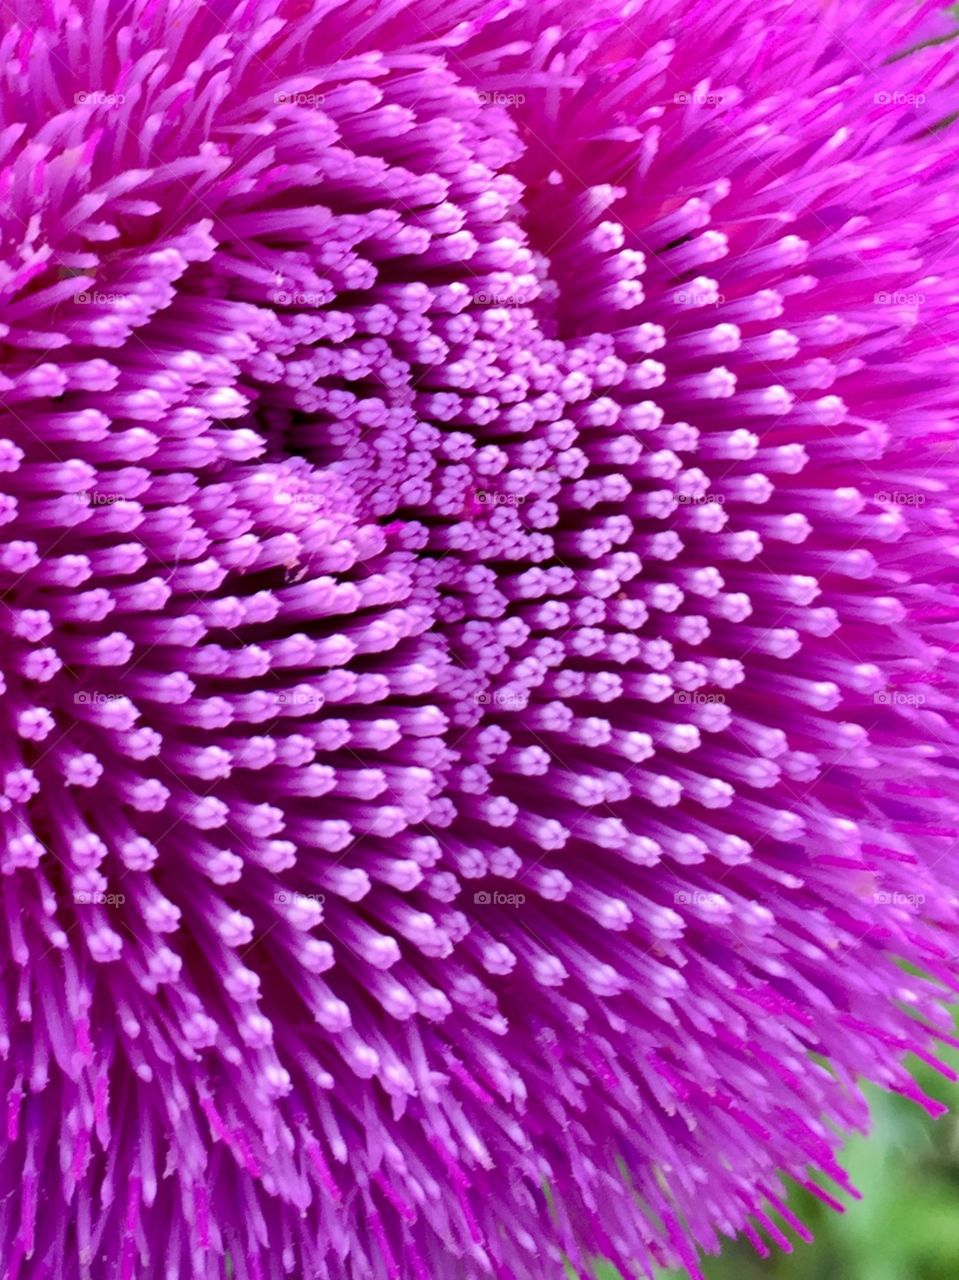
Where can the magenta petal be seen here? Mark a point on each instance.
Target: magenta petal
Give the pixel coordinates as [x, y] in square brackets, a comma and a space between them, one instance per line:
[478, 495]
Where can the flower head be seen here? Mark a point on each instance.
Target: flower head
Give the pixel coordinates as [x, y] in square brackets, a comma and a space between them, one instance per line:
[478, 491]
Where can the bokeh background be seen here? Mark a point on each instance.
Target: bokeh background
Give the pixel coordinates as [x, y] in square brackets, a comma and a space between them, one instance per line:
[906, 1227]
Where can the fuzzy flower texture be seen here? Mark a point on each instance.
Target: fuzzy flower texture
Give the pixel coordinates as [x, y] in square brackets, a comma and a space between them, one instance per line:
[478, 733]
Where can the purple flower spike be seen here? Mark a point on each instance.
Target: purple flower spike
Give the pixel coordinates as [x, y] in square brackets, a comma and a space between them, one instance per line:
[478, 487]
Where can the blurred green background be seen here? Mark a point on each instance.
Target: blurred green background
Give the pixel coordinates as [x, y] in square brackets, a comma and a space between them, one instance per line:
[906, 1227]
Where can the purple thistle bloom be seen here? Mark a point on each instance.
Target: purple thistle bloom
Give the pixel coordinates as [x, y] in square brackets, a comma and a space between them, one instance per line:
[478, 486]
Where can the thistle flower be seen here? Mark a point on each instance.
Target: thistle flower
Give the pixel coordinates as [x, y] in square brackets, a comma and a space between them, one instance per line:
[478, 499]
